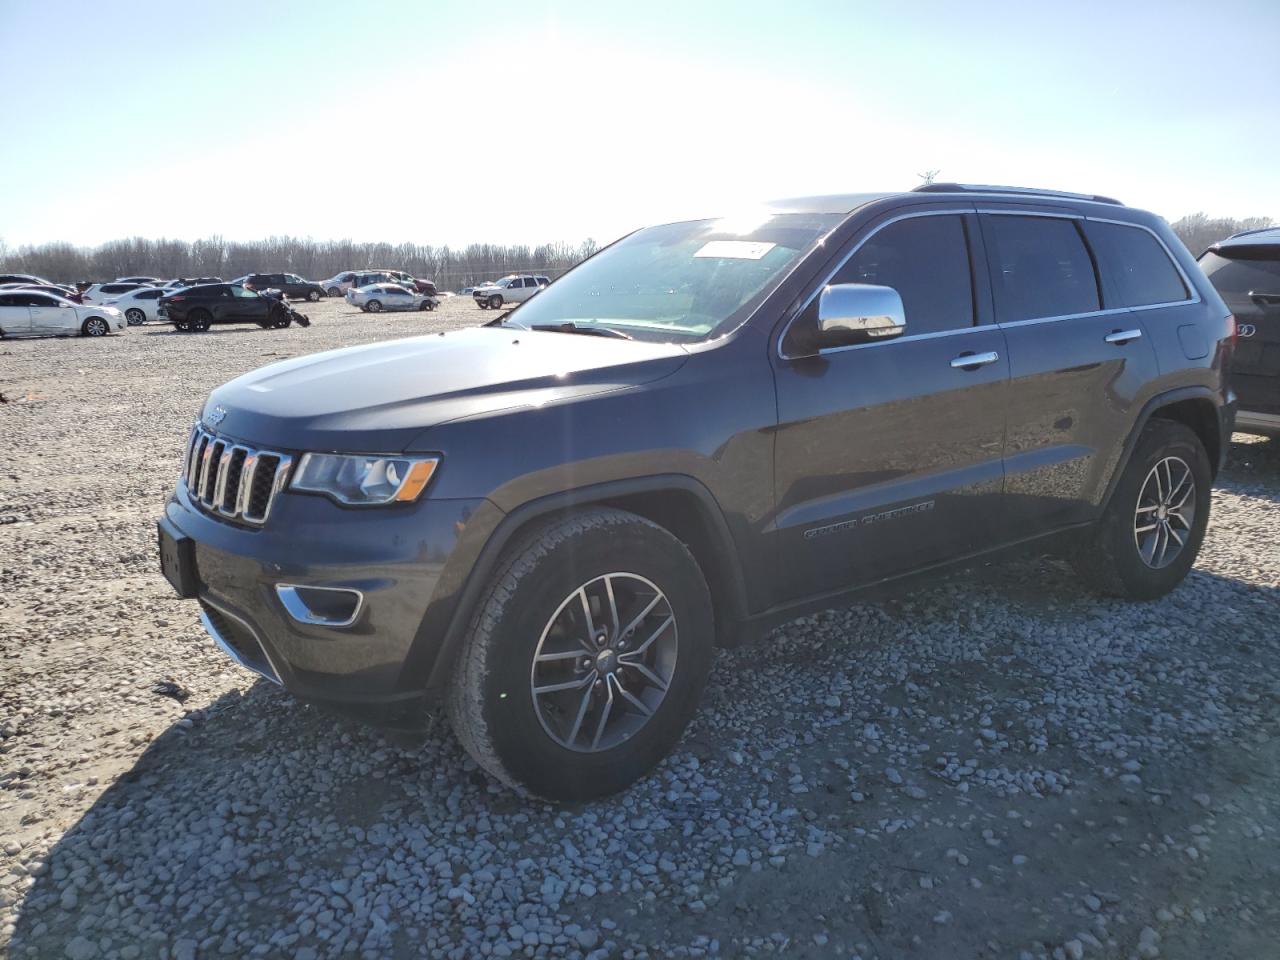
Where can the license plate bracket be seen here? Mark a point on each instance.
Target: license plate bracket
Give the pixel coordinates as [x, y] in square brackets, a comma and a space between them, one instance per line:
[178, 560]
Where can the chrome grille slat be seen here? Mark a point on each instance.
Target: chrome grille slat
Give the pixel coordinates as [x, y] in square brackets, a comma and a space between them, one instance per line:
[213, 482]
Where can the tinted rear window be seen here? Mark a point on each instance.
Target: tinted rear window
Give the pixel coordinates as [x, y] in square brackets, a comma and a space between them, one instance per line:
[1039, 268]
[1234, 276]
[1137, 264]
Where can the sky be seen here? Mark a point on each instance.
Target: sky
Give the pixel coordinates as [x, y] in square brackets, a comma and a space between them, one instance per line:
[550, 120]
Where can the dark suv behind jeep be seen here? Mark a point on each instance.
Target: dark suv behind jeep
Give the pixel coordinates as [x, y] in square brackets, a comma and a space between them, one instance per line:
[704, 430]
[1245, 270]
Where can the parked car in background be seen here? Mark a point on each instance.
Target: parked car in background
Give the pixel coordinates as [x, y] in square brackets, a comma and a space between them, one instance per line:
[145, 281]
[177, 283]
[23, 278]
[140, 305]
[389, 296]
[101, 292]
[340, 283]
[196, 309]
[851, 393]
[409, 280]
[57, 289]
[290, 284]
[512, 289]
[31, 313]
[1245, 270]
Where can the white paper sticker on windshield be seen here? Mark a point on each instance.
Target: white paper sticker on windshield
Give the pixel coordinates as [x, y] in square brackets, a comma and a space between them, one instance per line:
[735, 249]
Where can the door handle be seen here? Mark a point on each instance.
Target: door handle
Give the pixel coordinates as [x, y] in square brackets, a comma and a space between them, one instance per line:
[1122, 336]
[972, 361]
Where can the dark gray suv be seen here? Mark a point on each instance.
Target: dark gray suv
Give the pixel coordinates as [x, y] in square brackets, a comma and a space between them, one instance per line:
[708, 428]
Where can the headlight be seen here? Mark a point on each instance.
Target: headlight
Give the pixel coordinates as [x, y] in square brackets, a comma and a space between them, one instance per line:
[364, 479]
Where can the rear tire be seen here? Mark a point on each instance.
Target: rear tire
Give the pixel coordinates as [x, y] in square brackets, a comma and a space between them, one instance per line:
[199, 321]
[1152, 528]
[335, 292]
[135, 317]
[529, 630]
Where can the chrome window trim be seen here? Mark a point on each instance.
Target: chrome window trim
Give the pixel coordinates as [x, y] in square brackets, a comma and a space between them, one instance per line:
[957, 211]
[297, 608]
[1186, 280]
[273, 676]
[935, 335]
[1059, 214]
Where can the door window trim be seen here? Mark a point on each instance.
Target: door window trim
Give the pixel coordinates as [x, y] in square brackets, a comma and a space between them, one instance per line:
[961, 212]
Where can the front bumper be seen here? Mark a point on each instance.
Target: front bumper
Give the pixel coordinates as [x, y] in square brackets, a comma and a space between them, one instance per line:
[397, 560]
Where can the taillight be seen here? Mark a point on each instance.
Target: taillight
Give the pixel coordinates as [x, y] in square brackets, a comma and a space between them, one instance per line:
[1233, 328]
[176, 297]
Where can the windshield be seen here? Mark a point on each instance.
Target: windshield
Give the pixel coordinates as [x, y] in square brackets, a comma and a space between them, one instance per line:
[679, 281]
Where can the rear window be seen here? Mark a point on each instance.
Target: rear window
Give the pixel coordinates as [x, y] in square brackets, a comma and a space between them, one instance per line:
[1137, 264]
[1040, 268]
[1241, 271]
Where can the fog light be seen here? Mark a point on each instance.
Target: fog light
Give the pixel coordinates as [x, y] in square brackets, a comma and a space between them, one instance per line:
[324, 606]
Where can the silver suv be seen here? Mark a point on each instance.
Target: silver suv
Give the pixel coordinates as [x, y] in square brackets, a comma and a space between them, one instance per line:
[512, 289]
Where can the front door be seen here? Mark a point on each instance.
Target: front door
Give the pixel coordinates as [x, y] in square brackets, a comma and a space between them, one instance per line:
[49, 318]
[888, 454]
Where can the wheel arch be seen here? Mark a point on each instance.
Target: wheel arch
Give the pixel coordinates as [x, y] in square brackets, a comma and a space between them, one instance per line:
[1198, 408]
[677, 503]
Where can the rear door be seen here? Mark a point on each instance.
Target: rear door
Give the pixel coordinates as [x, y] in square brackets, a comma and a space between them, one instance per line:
[1248, 279]
[15, 315]
[1077, 367]
[888, 454]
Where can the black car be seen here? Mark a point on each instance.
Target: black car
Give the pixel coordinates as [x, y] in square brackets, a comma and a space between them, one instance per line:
[290, 284]
[196, 309]
[1245, 270]
[706, 429]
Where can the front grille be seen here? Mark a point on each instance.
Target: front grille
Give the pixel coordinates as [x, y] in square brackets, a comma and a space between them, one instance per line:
[232, 480]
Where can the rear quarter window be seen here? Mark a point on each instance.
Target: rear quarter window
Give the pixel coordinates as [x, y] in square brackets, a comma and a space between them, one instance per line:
[1136, 264]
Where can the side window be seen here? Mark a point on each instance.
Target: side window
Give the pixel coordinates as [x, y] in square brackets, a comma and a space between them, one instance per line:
[926, 259]
[1039, 267]
[8, 300]
[1136, 263]
[242, 292]
[150, 294]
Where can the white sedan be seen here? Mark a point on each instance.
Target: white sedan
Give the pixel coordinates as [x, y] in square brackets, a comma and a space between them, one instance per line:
[389, 296]
[28, 313]
[138, 306]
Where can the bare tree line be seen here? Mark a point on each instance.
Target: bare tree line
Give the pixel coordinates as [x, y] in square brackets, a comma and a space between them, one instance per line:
[317, 259]
[314, 259]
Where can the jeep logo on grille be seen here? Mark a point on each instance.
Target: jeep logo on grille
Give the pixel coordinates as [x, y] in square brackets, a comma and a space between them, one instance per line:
[216, 416]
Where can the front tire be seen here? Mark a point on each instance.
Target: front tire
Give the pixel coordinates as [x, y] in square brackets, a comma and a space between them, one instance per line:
[495, 302]
[135, 317]
[313, 296]
[95, 327]
[335, 291]
[1152, 528]
[559, 696]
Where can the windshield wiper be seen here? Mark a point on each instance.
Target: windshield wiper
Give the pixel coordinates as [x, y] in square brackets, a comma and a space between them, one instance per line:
[570, 327]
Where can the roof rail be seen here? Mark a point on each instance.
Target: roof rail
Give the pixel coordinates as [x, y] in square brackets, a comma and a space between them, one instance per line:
[1249, 233]
[1020, 191]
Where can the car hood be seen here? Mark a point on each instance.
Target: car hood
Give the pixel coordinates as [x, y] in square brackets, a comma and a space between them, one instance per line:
[380, 397]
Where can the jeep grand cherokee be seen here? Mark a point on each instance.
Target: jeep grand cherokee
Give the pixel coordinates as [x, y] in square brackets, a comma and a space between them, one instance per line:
[709, 427]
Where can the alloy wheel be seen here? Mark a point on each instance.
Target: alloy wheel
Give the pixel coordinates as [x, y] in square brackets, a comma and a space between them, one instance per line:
[604, 662]
[1165, 512]
[94, 327]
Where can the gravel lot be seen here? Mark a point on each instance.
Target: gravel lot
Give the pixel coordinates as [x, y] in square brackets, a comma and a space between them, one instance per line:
[1001, 766]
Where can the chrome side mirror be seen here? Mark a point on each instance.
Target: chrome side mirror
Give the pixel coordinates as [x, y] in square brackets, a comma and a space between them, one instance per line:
[861, 311]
